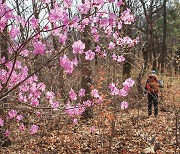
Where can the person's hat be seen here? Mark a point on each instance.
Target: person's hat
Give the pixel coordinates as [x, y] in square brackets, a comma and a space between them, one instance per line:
[153, 72]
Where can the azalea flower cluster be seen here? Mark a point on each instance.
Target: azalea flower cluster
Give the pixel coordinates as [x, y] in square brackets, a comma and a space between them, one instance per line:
[78, 48]
[13, 114]
[75, 111]
[50, 96]
[127, 41]
[118, 58]
[16, 75]
[6, 13]
[79, 108]
[67, 64]
[123, 91]
[30, 91]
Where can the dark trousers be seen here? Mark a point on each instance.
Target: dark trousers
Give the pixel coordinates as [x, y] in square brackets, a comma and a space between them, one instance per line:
[153, 100]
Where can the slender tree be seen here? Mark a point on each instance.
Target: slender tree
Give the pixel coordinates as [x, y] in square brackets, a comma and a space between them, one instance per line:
[164, 49]
[86, 68]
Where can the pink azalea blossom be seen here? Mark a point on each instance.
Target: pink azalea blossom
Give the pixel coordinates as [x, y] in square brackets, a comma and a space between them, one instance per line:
[126, 17]
[120, 58]
[75, 61]
[78, 109]
[114, 89]
[89, 55]
[46, 1]
[3, 22]
[75, 121]
[7, 133]
[34, 129]
[94, 93]
[25, 53]
[37, 94]
[33, 88]
[96, 37]
[69, 109]
[35, 102]
[34, 22]
[100, 100]
[62, 38]
[38, 113]
[126, 88]
[78, 47]
[55, 105]
[74, 110]
[74, 22]
[21, 127]
[94, 31]
[108, 30]
[14, 32]
[104, 54]
[81, 92]
[111, 46]
[46, 27]
[128, 82]
[67, 3]
[114, 57]
[98, 49]
[41, 86]
[88, 103]
[93, 129]
[98, 2]
[119, 3]
[56, 14]
[67, 64]
[128, 41]
[72, 95]
[111, 0]
[84, 8]
[112, 19]
[19, 117]
[124, 105]
[1, 122]
[123, 92]
[12, 113]
[85, 21]
[50, 95]
[39, 48]
[120, 25]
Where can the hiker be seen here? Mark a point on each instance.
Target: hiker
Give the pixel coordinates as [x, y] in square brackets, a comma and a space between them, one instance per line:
[152, 88]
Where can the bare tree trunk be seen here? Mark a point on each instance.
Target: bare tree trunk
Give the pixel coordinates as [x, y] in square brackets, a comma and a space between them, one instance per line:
[128, 56]
[4, 141]
[164, 49]
[37, 58]
[86, 70]
[151, 40]
[143, 69]
[21, 27]
[127, 65]
[151, 36]
[56, 48]
[150, 29]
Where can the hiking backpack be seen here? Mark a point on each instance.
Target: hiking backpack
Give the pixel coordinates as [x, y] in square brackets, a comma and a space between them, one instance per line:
[152, 84]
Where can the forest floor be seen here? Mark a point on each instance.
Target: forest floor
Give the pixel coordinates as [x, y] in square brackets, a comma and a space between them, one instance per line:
[135, 133]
